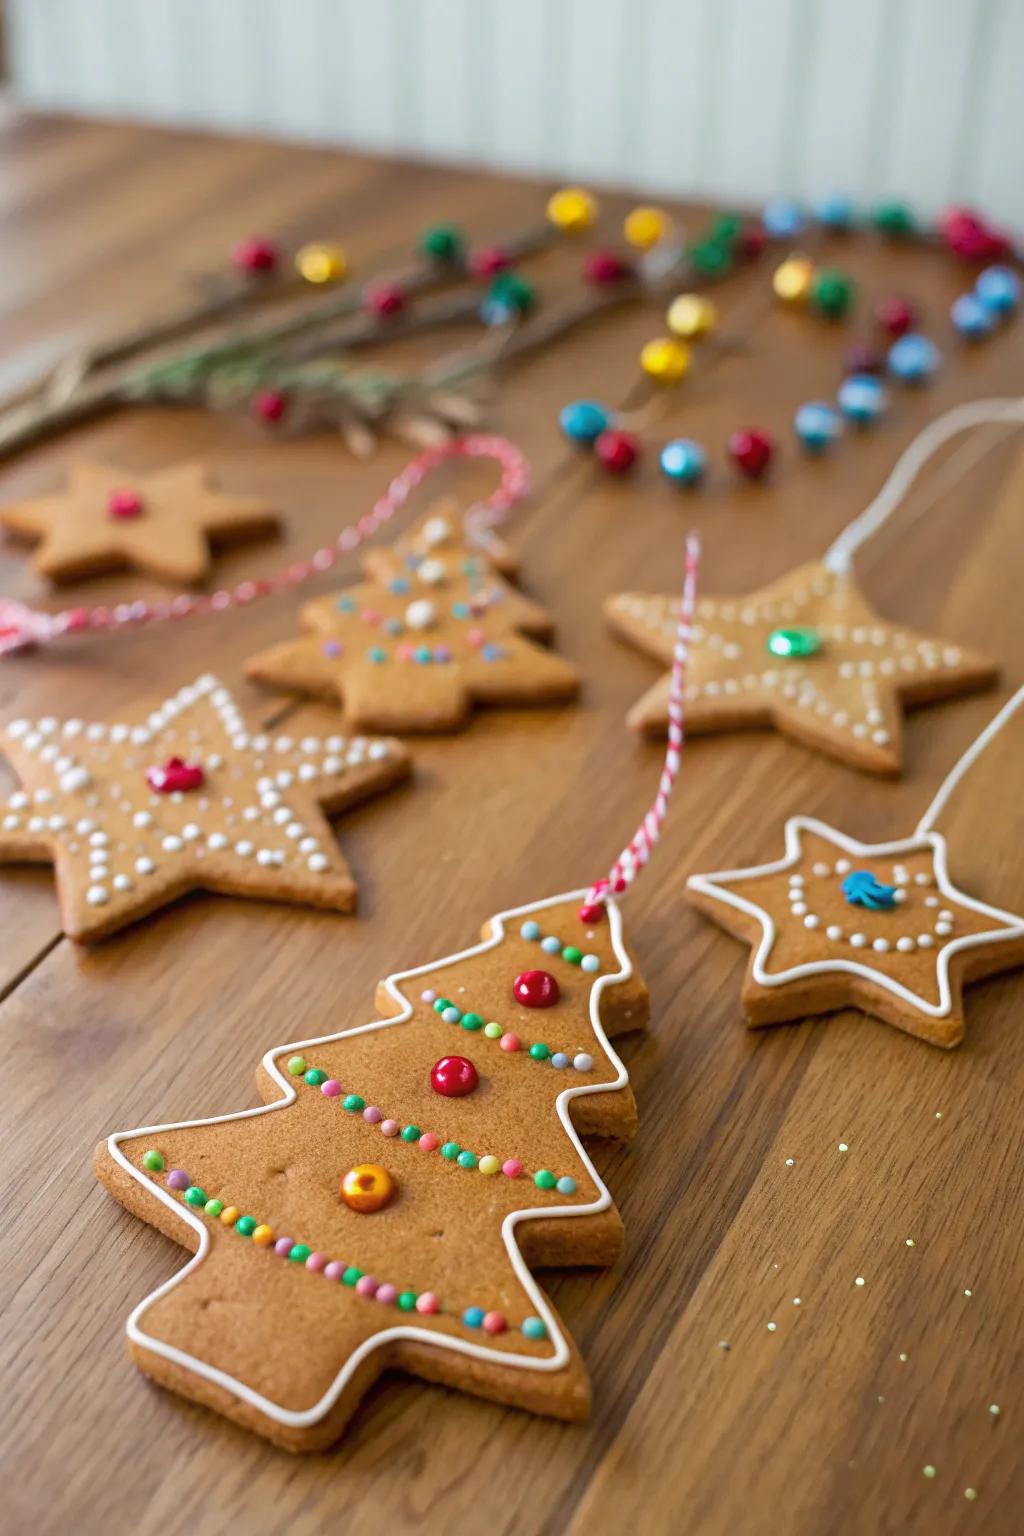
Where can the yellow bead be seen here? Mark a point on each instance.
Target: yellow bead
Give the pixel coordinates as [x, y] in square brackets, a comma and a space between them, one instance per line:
[691, 316]
[572, 209]
[792, 280]
[321, 263]
[665, 360]
[262, 1236]
[488, 1165]
[644, 227]
[229, 1215]
[366, 1187]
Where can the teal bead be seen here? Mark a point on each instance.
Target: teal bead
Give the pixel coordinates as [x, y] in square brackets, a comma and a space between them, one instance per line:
[539, 1051]
[583, 421]
[195, 1196]
[466, 1159]
[314, 1077]
[298, 1253]
[534, 1328]
[473, 1317]
[572, 954]
[712, 258]
[443, 242]
[450, 1151]
[894, 220]
[411, 1133]
[683, 461]
[832, 293]
[407, 1301]
[442, 1003]
[794, 644]
[353, 1103]
[246, 1225]
[472, 1021]
[545, 1179]
[351, 1275]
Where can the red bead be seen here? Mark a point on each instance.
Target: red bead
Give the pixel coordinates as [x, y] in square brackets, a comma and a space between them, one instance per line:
[124, 504]
[617, 451]
[384, 299]
[453, 1077]
[536, 989]
[255, 255]
[175, 776]
[751, 451]
[971, 237]
[488, 261]
[269, 405]
[752, 241]
[895, 316]
[604, 267]
[592, 912]
[860, 358]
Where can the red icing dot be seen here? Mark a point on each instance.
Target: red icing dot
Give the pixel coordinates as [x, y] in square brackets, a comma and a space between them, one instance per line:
[124, 503]
[536, 989]
[175, 776]
[592, 912]
[453, 1077]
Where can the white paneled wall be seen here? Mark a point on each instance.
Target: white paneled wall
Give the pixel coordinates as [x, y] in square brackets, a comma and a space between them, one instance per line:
[728, 98]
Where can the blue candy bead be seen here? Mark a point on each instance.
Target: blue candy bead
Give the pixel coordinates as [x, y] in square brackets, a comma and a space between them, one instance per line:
[683, 461]
[559, 1060]
[566, 1186]
[999, 289]
[835, 211]
[782, 217]
[530, 930]
[583, 421]
[862, 398]
[913, 359]
[971, 317]
[590, 963]
[551, 945]
[817, 425]
[473, 1317]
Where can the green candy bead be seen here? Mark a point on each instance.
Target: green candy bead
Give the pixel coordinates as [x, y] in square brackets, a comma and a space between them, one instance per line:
[514, 291]
[472, 1021]
[407, 1301]
[467, 1159]
[711, 257]
[314, 1077]
[493, 1031]
[726, 229]
[195, 1196]
[353, 1103]
[213, 1207]
[894, 219]
[450, 1151]
[442, 241]
[442, 1003]
[572, 954]
[298, 1253]
[411, 1133]
[297, 1065]
[794, 644]
[351, 1275]
[544, 1179]
[153, 1160]
[832, 293]
[539, 1051]
[246, 1225]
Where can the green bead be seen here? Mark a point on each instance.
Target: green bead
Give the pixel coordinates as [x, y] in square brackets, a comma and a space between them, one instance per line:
[450, 1151]
[539, 1051]
[832, 293]
[711, 257]
[534, 1328]
[467, 1159]
[544, 1179]
[298, 1253]
[353, 1103]
[513, 291]
[794, 644]
[572, 954]
[442, 1003]
[407, 1301]
[297, 1065]
[213, 1207]
[195, 1196]
[442, 241]
[411, 1133]
[492, 1031]
[153, 1161]
[894, 219]
[726, 229]
[246, 1225]
[472, 1021]
[351, 1275]
[314, 1077]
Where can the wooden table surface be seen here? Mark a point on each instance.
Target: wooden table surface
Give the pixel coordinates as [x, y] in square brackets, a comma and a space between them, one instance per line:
[823, 1424]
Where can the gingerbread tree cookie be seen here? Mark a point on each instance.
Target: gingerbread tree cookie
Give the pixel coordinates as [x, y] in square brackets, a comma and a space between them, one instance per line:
[434, 631]
[804, 654]
[112, 519]
[384, 1207]
[133, 815]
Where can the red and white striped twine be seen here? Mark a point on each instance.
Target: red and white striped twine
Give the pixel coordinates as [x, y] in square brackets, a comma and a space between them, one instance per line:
[22, 626]
[638, 850]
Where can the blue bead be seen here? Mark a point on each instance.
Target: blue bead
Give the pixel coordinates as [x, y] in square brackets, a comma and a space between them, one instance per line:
[399, 585]
[559, 1060]
[913, 359]
[863, 889]
[376, 654]
[583, 421]
[451, 1015]
[346, 605]
[683, 461]
[551, 945]
[460, 610]
[493, 312]
[590, 963]
[971, 317]
[862, 398]
[817, 425]
[534, 1328]
[566, 1186]
[782, 217]
[999, 289]
[473, 1317]
[492, 652]
[530, 931]
[835, 211]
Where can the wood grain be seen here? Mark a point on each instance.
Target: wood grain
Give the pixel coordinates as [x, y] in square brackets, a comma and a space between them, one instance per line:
[816, 1427]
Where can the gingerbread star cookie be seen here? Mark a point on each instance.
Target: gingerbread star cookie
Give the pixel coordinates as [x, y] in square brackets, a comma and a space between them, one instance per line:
[112, 519]
[385, 1205]
[840, 924]
[806, 655]
[436, 630]
[184, 798]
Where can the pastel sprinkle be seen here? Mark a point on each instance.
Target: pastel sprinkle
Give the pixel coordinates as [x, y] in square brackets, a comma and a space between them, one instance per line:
[316, 1262]
[372, 1115]
[566, 1186]
[512, 1168]
[530, 930]
[177, 1179]
[284, 1246]
[389, 1128]
[492, 1031]
[427, 1303]
[451, 1014]
[330, 1089]
[387, 1294]
[559, 1060]
[153, 1161]
[551, 945]
[297, 1065]
[213, 1207]
[366, 1285]
[428, 1142]
[429, 996]
[489, 1165]
[510, 1043]
[590, 963]
[333, 1270]
[582, 1062]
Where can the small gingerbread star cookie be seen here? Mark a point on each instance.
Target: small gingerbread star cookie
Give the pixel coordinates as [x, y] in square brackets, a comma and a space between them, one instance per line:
[436, 630]
[113, 519]
[839, 924]
[184, 798]
[806, 655]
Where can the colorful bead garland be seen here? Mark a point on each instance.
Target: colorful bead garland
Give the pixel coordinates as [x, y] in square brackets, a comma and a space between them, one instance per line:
[451, 1013]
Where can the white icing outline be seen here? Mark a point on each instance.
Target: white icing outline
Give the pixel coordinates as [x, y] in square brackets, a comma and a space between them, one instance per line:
[301, 1419]
[709, 885]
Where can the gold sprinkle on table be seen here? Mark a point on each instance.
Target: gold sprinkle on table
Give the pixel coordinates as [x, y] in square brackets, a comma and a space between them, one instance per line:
[929, 1471]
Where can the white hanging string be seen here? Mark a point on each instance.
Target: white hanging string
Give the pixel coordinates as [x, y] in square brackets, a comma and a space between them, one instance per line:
[839, 555]
[973, 752]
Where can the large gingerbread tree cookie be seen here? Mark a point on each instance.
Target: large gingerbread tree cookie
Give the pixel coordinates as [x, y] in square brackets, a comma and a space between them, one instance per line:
[384, 1207]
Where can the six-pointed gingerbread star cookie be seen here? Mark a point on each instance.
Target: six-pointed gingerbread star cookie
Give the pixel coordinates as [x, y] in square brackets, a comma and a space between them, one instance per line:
[836, 924]
[805, 654]
[134, 815]
[436, 630]
[112, 519]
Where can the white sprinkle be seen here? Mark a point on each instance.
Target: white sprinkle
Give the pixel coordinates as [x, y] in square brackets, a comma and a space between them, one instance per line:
[318, 862]
[790, 1161]
[75, 778]
[243, 849]
[171, 844]
[97, 895]
[843, 1147]
[928, 1471]
[122, 883]
[860, 1280]
[217, 840]
[771, 1327]
[142, 819]
[144, 866]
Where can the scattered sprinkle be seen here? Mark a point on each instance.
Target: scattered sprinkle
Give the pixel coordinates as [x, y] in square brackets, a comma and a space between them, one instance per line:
[938, 1114]
[993, 1409]
[881, 1399]
[968, 1292]
[928, 1471]
[771, 1327]
[796, 1301]
[724, 1344]
[860, 1280]
[911, 1243]
[904, 1358]
[843, 1147]
[970, 1493]
[790, 1161]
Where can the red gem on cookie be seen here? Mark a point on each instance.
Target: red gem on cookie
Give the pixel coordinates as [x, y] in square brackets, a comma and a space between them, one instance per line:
[175, 776]
[453, 1077]
[536, 989]
[591, 912]
[124, 504]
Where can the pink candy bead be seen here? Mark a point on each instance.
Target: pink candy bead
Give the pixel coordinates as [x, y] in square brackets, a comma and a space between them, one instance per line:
[284, 1246]
[389, 1128]
[427, 1303]
[428, 1142]
[510, 1043]
[372, 1115]
[330, 1089]
[494, 1322]
[388, 1294]
[333, 1270]
[512, 1168]
[366, 1285]
[316, 1262]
